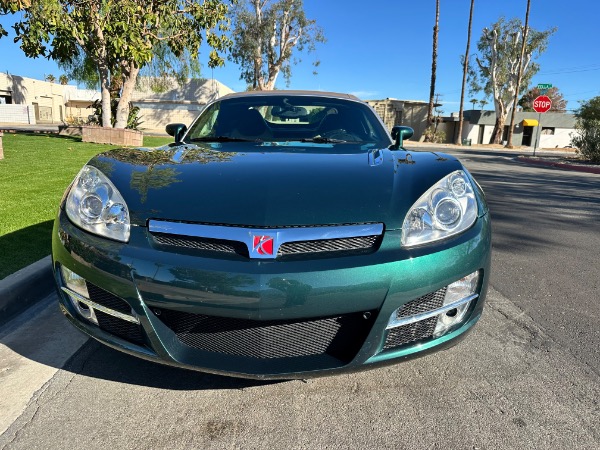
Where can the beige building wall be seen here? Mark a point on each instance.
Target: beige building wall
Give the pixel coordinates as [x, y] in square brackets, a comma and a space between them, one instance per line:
[49, 102]
[176, 104]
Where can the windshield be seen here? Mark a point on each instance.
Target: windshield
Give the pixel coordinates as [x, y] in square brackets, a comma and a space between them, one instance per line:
[279, 118]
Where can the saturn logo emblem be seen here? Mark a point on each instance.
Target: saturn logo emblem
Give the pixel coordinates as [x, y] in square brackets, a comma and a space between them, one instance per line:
[262, 245]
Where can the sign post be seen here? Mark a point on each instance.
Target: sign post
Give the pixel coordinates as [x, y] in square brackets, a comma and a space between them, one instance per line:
[541, 105]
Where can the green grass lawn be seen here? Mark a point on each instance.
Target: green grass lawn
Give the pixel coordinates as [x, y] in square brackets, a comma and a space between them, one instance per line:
[35, 171]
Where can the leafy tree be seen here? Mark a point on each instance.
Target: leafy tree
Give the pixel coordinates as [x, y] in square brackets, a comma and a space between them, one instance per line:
[559, 104]
[265, 34]
[519, 77]
[498, 63]
[465, 62]
[587, 138]
[119, 36]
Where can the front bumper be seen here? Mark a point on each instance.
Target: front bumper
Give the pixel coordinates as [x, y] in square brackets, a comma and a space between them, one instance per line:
[327, 315]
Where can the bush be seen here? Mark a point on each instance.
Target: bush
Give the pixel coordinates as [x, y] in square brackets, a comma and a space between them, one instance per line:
[431, 135]
[587, 138]
[133, 120]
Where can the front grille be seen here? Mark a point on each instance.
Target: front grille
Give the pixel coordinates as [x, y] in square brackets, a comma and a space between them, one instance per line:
[204, 244]
[333, 246]
[107, 299]
[354, 244]
[340, 336]
[129, 331]
[416, 331]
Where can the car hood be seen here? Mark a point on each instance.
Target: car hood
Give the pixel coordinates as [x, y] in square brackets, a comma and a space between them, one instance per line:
[263, 185]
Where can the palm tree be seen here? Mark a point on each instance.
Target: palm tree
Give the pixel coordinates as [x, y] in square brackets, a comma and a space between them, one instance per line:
[482, 103]
[50, 78]
[519, 76]
[474, 101]
[63, 79]
[433, 63]
[458, 138]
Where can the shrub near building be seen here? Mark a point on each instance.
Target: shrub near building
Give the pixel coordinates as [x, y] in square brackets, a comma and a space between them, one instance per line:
[587, 139]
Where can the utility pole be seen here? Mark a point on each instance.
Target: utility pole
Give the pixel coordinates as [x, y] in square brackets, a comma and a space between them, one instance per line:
[519, 76]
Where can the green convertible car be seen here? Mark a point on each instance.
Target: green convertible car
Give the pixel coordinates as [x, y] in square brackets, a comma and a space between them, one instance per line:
[282, 235]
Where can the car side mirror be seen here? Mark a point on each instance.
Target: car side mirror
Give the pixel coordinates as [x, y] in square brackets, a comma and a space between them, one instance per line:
[399, 134]
[177, 130]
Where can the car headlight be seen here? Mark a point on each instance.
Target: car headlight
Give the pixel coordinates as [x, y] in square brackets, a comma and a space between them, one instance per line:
[448, 208]
[95, 205]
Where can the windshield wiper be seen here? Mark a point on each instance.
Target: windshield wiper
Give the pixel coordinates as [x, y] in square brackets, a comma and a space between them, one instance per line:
[324, 140]
[222, 139]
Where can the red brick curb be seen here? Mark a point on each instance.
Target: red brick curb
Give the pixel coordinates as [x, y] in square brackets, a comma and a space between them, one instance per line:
[559, 165]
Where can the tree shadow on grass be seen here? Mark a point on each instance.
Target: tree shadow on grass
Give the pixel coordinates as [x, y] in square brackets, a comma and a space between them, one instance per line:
[25, 246]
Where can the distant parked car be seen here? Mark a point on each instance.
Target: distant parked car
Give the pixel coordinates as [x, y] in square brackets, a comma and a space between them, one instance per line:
[283, 235]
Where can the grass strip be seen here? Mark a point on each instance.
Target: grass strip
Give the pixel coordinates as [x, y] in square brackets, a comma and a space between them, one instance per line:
[35, 171]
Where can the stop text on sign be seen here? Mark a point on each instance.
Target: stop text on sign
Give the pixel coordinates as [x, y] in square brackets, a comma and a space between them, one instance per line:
[542, 104]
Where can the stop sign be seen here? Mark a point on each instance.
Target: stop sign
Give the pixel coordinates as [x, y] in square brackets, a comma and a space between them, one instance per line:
[542, 104]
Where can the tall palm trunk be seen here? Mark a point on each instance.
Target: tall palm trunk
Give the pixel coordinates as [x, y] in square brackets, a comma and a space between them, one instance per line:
[433, 64]
[458, 139]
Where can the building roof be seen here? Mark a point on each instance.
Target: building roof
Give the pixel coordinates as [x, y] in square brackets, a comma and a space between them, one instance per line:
[549, 119]
[195, 90]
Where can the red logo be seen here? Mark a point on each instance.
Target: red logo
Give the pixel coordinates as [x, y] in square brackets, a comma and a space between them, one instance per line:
[263, 245]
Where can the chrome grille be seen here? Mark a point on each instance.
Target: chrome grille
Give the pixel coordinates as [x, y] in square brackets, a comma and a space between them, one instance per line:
[318, 241]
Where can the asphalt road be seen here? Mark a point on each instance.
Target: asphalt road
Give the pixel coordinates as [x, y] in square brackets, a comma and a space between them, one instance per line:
[527, 377]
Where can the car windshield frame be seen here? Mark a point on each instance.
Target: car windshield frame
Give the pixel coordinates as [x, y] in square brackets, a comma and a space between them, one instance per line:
[318, 120]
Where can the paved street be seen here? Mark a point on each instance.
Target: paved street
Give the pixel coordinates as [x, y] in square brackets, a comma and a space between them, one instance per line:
[527, 377]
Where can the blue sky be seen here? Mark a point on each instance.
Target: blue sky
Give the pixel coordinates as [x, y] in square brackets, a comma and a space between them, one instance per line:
[382, 48]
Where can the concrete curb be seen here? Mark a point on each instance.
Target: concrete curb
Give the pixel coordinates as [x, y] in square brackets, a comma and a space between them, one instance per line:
[559, 165]
[24, 288]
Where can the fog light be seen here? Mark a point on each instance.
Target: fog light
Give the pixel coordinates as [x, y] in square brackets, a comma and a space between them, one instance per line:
[76, 289]
[457, 292]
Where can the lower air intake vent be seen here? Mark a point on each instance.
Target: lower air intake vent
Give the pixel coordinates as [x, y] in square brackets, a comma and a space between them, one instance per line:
[131, 332]
[340, 337]
[416, 331]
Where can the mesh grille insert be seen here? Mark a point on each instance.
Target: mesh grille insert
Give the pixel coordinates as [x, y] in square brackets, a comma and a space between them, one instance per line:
[131, 332]
[340, 337]
[410, 333]
[361, 243]
[107, 299]
[193, 243]
[426, 303]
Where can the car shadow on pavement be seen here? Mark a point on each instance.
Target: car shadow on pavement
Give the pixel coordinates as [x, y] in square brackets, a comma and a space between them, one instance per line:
[99, 361]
